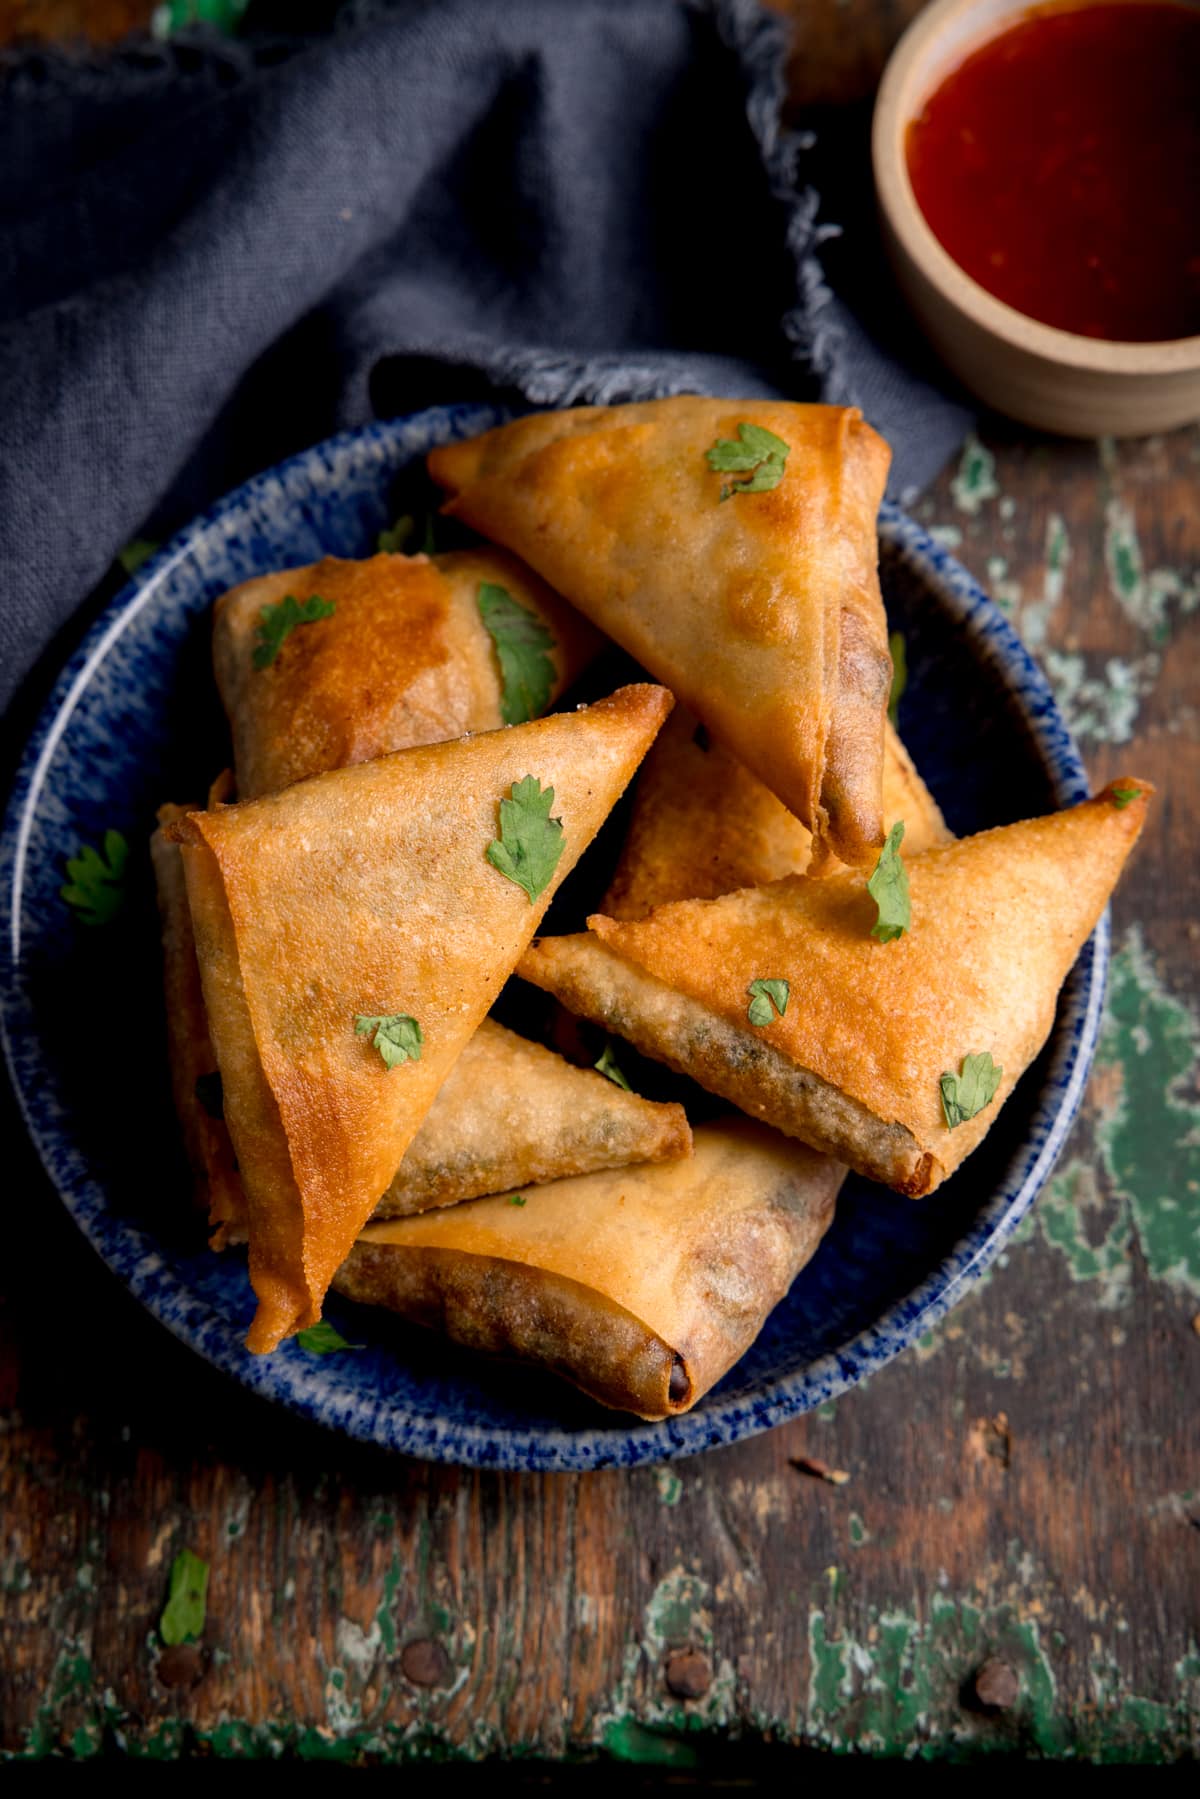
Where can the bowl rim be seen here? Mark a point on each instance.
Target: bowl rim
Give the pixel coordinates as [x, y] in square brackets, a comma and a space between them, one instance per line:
[299, 1382]
[910, 74]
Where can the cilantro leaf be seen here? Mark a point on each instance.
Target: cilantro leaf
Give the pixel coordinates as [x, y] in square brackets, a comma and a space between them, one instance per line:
[888, 887]
[1124, 796]
[135, 552]
[530, 841]
[395, 541]
[322, 1339]
[523, 649]
[965, 1094]
[395, 1035]
[93, 886]
[899, 672]
[278, 623]
[768, 999]
[756, 449]
[517, 1199]
[187, 1600]
[609, 1066]
[211, 1093]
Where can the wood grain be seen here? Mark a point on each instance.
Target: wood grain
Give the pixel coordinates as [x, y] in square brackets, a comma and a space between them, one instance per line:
[1023, 1489]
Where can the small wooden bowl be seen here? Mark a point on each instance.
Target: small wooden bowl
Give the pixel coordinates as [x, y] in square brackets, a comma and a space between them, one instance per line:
[1052, 379]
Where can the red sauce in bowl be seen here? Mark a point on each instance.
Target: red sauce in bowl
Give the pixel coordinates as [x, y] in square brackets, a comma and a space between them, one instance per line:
[1059, 165]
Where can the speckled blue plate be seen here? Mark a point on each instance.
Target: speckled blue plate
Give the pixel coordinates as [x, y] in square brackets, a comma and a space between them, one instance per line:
[133, 721]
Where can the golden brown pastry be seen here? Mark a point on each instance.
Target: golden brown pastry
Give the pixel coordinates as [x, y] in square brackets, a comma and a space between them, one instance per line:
[510, 1113]
[351, 933]
[641, 1286]
[870, 1032]
[703, 825]
[402, 657]
[760, 610]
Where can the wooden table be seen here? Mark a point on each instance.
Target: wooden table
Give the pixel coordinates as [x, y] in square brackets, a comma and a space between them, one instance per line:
[1024, 1489]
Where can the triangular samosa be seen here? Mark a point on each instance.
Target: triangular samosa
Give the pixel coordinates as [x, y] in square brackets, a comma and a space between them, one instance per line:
[641, 1286]
[895, 1057]
[352, 932]
[384, 654]
[741, 575]
[510, 1114]
[703, 825]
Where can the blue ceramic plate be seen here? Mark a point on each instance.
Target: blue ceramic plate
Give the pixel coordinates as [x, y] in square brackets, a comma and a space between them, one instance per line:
[134, 721]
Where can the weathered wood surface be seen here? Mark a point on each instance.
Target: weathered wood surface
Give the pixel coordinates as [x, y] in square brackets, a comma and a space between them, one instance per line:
[1024, 1490]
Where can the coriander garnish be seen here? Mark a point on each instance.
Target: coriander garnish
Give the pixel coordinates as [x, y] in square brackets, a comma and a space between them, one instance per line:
[608, 1065]
[768, 1000]
[888, 887]
[523, 650]
[965, 1094]
[187, 1600]
[530, 843]
[395, 1035]
[1124, 796]
[517, 1199]
[758, 450]
[93, 886]
[322, 1339]
[279, 621]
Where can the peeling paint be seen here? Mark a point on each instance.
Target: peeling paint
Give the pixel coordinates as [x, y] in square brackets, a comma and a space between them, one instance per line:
[669, 1485]
[975, 481]
[1103, 707]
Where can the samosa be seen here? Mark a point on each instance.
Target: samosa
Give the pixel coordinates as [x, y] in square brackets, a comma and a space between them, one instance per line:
[894, 1056]
[729, 545]
[510, 1113]
[641, 1286]
[352, 931]
[341, 661]
[703, 825]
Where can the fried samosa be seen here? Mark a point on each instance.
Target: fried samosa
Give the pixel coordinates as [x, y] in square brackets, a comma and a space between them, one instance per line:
[703, 825]
[642, 1286]
[351, 932]
[511, 1113]
[401, 657]
[894, 1057]
[730, 547]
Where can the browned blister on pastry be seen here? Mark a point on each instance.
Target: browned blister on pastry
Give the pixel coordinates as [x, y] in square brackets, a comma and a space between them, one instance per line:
[703, 825]
[761, 611]
[368, 893]
[404, 658]
[642, 1286]
[855, 1063]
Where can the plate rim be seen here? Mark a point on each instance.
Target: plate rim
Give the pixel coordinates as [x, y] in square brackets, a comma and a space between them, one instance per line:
[296, 1384]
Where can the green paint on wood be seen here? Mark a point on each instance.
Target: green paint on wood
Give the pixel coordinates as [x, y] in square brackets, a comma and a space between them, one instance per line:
[628, 1741]
[385, 1619]
[669, 1485]
[859, 1534]
[1102, 707]
[1148, 1142]
[975, 481]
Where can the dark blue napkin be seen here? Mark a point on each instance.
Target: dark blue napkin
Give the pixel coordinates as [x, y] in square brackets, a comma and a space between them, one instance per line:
[212, 254]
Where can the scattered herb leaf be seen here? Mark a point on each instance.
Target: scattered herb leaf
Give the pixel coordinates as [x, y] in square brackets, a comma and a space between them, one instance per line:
[757, 450]
[530, 841]
[965, 1094]
[888, 887]
[609, 1066]
[899, 673]
[1125, 796]
[93, 886]
[396, 541]
[395, 1035]
[211, 1093]
[134, 553]
[187, 1600]
[768, 999]
[517, 1199]
[523, 648]
[322, 1339]
[279, 621]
